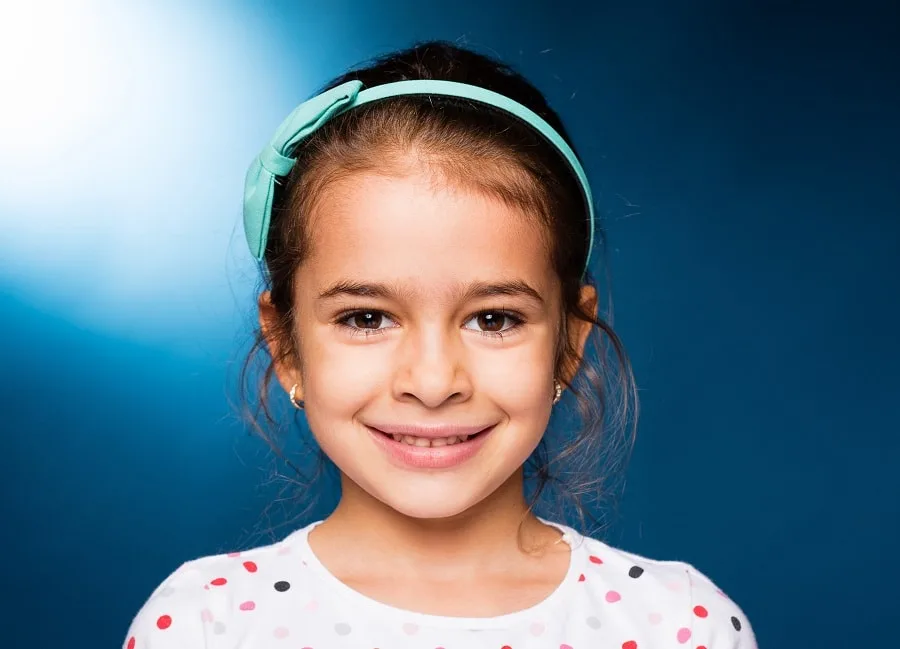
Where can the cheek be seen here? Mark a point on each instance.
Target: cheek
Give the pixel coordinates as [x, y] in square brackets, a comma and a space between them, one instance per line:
[519, 379]
[341, 378]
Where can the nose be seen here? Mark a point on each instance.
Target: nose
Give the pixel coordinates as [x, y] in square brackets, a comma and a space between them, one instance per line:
[431, 368]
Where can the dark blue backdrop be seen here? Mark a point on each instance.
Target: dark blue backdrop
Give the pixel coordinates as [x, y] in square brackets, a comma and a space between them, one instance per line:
[744, 156]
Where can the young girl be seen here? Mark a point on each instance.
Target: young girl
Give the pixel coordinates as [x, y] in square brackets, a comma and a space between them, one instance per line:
[425, 229]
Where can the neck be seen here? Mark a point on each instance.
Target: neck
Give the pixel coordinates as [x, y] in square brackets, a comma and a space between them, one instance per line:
[496, 528]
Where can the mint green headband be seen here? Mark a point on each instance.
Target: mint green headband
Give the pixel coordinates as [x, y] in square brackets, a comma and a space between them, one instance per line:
[275, 159]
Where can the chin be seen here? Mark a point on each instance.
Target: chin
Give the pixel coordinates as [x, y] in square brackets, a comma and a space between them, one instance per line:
[427, 503]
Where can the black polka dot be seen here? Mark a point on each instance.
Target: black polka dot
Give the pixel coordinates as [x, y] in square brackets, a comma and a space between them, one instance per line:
[736, 623]
[635, 572]
[281, 586]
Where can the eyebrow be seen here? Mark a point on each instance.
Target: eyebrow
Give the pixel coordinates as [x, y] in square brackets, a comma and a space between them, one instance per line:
[475, 290]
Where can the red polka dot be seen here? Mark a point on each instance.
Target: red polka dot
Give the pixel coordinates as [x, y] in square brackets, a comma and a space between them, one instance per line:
[164, 622]
[699, 611]
[580, 577]
[631, 644]
[219, 581]
[250, 566]
[700, 647]
[597, 560]
[506, 646]
[131, 643]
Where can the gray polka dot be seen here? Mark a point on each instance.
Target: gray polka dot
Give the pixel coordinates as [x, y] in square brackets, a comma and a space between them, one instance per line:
[593, 622]
[218, 628]
[342, 629]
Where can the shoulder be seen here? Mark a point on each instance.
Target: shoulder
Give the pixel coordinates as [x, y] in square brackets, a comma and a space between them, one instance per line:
[672, 596]
[720, 619]
[197, 606]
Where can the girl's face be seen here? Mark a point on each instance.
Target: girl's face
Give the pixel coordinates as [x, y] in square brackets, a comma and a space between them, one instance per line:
[422, 305]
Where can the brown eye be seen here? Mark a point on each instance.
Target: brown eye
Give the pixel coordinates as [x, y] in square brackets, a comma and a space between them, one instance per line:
[494, 323]
[366, 320]
[491, 322]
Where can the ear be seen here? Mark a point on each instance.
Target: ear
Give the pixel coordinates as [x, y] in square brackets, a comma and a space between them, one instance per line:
[287, 368]
[577, 331]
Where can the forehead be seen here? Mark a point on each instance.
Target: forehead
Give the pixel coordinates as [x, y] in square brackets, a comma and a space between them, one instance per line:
[427, 235]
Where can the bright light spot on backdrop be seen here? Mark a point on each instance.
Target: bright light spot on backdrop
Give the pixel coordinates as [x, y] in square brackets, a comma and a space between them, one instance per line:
[123, 151]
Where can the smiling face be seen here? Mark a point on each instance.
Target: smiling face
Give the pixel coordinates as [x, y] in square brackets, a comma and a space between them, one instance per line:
[424, 305]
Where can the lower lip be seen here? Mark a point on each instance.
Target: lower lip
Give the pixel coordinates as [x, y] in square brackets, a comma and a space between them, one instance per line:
[430, 457]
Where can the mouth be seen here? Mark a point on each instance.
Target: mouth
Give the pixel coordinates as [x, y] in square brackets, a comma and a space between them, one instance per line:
[412, 452]
[429, 442]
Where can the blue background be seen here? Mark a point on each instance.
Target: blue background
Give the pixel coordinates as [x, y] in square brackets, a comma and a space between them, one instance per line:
[745, 161]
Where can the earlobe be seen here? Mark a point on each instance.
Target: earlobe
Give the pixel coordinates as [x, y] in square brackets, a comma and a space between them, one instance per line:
[286, 369]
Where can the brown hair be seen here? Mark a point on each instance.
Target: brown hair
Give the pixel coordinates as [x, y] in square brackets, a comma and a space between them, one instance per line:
[579, 471]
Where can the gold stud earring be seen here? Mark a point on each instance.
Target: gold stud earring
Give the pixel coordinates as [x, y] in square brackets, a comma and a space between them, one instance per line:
[293, 396]
[557, 395]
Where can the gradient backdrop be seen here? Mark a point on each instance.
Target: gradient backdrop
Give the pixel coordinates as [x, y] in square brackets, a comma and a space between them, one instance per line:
[744, 158]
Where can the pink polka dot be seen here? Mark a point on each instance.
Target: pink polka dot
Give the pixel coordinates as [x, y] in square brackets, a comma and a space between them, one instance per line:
[410, 629]
[536, 628]
[674, 586]
[248, 605]
[281, 633]
[565, 646]
[284, 549]
[612, 597]
[206, 615]
[684, 634]
[312, 605]
[234, 554]
[655, 618]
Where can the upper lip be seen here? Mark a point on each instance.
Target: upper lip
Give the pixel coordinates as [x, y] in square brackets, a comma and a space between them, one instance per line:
[429, 431]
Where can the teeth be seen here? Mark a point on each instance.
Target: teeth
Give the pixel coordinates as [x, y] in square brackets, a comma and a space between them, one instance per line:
[424, 442]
